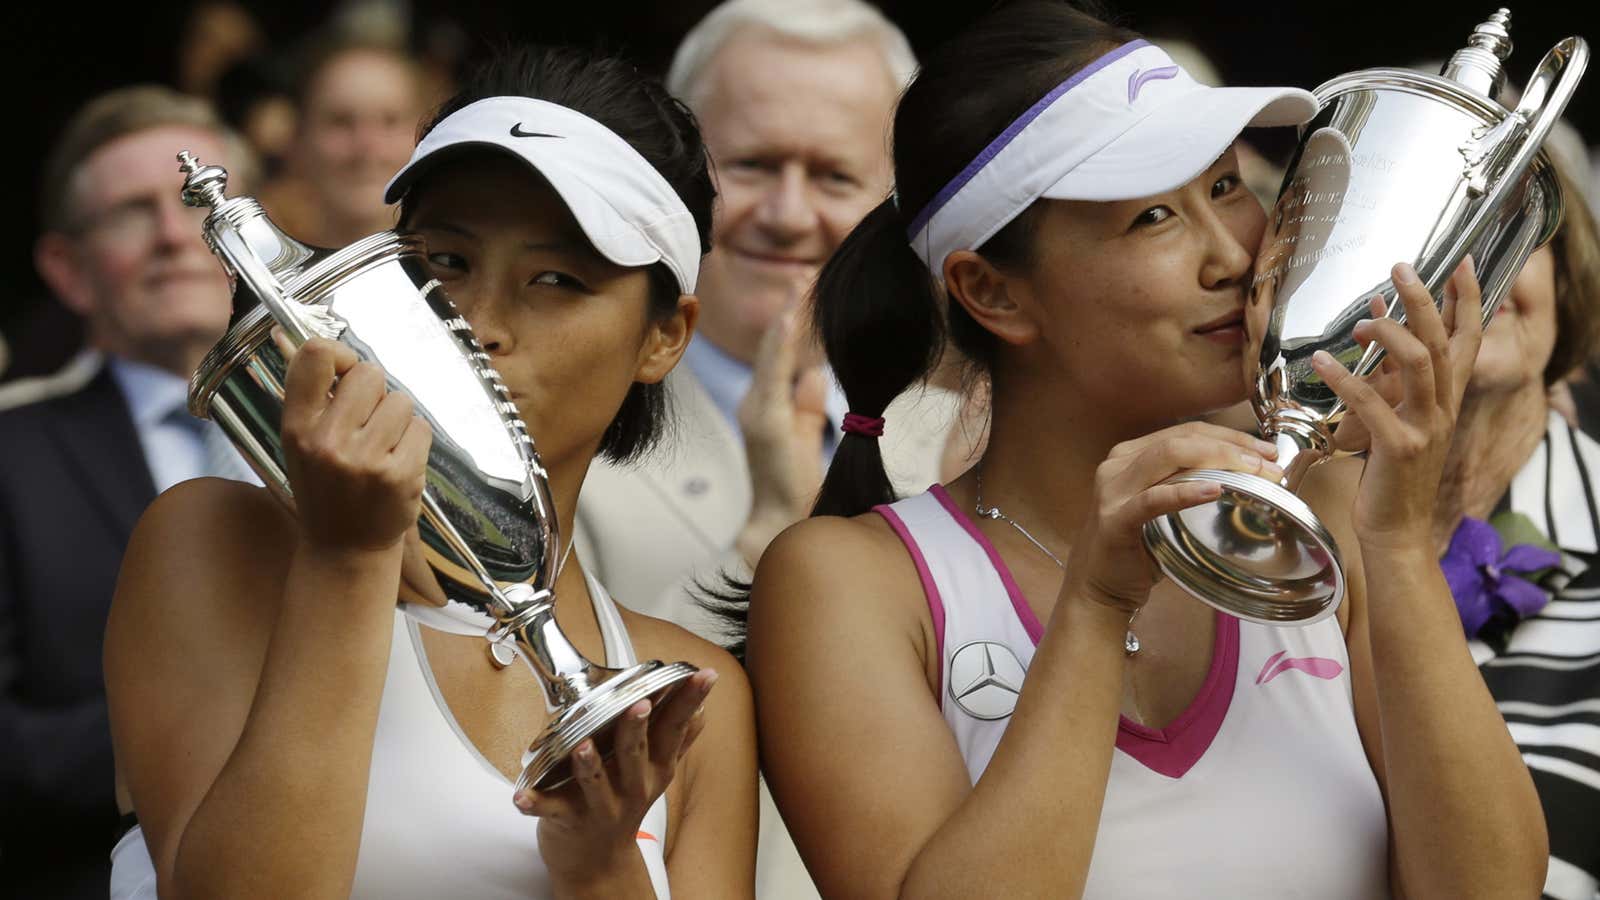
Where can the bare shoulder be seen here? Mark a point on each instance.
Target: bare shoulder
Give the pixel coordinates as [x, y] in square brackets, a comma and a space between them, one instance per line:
[208, 554]
[836, 569]
[659, 639]
[835, 539]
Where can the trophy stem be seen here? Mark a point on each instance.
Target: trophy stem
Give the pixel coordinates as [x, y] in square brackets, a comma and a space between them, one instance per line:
[1300, 446]
[563, 672]
[583, 700]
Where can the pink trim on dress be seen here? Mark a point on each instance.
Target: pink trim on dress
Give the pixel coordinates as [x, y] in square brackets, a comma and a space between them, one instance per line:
[929, 588]
[1170, 751]
[1030, 622]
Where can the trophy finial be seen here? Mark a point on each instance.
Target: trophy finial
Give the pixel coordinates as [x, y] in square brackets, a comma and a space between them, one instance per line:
[204, 185]
[1477, 65]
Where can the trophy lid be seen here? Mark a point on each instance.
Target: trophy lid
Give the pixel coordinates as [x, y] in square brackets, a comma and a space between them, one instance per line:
[1477, 66]
[257, 254]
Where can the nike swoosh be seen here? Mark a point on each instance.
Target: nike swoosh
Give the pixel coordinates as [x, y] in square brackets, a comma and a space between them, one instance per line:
[1315, 666]
[1139, 79]
[516, 131]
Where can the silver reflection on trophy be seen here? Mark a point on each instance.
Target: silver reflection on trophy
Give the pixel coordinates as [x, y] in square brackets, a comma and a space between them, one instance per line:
[1397, 165]
[488, 526]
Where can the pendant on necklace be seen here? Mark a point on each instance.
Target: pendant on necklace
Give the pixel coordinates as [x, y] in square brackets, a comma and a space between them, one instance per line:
[1130, 643]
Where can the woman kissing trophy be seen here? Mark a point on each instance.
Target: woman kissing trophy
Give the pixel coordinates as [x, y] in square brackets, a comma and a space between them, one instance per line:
[1396, 165]
[488, 527]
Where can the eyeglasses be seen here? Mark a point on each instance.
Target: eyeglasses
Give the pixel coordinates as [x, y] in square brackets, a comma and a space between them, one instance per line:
[134, 222]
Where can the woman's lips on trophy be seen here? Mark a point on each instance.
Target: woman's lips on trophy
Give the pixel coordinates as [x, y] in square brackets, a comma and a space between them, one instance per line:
[1228, 329]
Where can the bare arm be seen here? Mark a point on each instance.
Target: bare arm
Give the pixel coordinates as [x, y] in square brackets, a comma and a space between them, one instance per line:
[858, 755]
[245, 696]
[1465, 819]
[853, 742]
[713, 852]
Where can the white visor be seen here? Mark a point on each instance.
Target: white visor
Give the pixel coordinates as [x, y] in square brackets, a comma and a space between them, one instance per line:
[625, 207]
[1131, 124]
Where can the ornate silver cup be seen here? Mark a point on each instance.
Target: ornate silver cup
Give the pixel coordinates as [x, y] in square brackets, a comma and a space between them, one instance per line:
[488, 526]
[1397, 165]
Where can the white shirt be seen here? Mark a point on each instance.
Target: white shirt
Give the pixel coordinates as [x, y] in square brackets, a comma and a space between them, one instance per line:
[1259, 789]
[174, 450]
[439, 822]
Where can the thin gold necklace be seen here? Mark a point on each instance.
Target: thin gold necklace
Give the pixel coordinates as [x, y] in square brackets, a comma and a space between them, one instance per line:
[1130, 641]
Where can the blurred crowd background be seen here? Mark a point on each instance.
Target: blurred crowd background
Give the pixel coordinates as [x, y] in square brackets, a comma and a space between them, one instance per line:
[265, 66]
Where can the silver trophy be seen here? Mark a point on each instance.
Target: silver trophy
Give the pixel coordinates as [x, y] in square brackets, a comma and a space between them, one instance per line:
[488, 526]
[1397, 165]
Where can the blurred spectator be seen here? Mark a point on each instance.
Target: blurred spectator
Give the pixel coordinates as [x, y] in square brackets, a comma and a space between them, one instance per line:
[77, 468]
[255, 100]
[1580, 399]
[359, 105]
[217, 34]
[1518, 477]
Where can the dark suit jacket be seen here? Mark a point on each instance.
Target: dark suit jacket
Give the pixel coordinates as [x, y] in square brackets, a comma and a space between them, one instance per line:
[73, 481]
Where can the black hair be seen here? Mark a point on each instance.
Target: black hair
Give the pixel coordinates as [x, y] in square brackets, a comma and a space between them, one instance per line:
[614, 93]
[879, 312]
[246, 83]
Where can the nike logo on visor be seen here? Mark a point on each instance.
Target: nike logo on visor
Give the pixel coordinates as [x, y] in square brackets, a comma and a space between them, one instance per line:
[1315, 666]
[1139, 79]
[516, 131]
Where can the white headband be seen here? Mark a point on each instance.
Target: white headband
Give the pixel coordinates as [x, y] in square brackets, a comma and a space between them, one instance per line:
[623, 204]
[1130, 124]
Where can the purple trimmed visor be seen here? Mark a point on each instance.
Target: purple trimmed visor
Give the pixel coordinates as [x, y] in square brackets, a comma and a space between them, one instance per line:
[1131, 124]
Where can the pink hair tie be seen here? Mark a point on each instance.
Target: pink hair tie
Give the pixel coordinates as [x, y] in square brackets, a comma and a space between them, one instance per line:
[866, 426]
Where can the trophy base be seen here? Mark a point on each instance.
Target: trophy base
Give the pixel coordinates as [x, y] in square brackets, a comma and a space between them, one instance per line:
[1257, 552]
[547, 766]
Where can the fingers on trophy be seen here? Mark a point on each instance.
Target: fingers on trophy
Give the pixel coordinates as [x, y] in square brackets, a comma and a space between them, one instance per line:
[488, 527]
[1396, 166]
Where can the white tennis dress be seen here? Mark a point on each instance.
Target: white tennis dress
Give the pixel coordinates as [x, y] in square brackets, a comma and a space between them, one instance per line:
[1259, 789]
[439, 819]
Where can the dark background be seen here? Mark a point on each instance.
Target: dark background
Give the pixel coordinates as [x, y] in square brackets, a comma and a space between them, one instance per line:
[64, 53]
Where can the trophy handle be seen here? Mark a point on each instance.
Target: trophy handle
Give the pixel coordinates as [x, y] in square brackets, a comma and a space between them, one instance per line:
[1497, 162]
[1508, 149]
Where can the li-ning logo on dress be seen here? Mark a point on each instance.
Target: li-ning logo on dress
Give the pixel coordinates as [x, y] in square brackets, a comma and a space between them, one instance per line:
[985, 679]
[1140, 78]
[1315, 666]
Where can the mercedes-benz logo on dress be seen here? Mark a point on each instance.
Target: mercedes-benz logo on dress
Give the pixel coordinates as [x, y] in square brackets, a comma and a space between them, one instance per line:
[985, 679]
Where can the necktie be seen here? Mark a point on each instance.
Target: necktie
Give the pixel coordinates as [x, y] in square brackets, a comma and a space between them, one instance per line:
[218, 458]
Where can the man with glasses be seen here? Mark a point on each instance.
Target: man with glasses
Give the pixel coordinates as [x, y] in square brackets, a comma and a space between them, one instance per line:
[77, 468]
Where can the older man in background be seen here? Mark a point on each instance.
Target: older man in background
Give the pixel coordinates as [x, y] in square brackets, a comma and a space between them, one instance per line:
[81, 461]
[795, 99]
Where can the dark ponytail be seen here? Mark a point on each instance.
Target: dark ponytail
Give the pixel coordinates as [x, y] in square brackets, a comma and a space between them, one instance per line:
[882, 318]
[888, 338]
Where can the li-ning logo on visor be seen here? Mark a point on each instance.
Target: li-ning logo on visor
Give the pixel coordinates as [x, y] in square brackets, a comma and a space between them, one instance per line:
[985, 679]
[516, 131]
[1140, 78]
